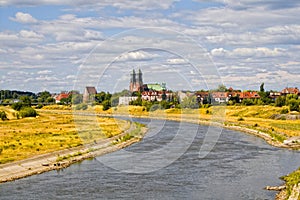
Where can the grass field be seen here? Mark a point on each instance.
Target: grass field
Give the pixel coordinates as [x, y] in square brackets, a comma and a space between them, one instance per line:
[254, 117]
[51, 131]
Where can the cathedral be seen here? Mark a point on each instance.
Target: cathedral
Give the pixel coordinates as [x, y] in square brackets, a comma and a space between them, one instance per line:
[136, 81]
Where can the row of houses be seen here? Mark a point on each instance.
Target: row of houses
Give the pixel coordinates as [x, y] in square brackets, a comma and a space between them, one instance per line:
[158, 92]
[224, 97]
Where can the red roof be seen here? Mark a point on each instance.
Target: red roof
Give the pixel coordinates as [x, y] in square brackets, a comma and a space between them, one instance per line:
[290, 91]
[248, 95]
[62, 96]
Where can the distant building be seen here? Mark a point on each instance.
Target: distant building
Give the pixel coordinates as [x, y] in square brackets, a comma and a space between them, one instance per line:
[290, 91]
[89, 94]
[136, 81]
[126, 100]
[62, 95]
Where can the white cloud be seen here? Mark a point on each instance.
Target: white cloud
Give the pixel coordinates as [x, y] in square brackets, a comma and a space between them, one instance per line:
[24, 18]
[176, 61]
[44, 72]
[30, 35]
[94, 4]
[136, 56]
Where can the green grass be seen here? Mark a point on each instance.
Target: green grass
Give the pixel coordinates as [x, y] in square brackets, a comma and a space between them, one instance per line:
[291, 180]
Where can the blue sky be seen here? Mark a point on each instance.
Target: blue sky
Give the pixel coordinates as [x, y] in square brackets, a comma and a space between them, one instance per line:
[192, 44]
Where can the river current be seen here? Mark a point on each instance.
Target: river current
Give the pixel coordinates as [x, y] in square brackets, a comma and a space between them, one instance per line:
[238, 167]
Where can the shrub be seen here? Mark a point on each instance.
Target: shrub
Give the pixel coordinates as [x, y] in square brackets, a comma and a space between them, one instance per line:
[27, 112]
[3, 115]
[284, 111]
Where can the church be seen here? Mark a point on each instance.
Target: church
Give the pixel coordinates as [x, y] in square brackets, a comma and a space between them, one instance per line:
[136, 81]
[149, 92]
[137, 85]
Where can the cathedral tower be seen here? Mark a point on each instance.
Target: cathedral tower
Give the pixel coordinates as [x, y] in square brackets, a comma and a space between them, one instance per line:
[136, 81]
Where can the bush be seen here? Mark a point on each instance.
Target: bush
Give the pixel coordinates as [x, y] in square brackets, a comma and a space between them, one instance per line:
[3, 115]
[27, 112]
[284, 111]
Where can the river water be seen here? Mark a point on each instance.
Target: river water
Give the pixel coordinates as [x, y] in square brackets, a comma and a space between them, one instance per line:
[238, 167]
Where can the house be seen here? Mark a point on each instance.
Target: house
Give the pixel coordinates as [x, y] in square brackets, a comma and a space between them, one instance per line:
[290, 91]
[62, 95]
[274, 95]
[89, 94]
[202, 97]
[248, 95]
[220, 97]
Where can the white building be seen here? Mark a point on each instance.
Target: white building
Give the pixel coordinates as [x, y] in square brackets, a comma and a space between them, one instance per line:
[125, 100]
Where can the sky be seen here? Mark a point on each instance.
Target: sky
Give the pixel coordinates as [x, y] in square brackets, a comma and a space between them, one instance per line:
[188, 44]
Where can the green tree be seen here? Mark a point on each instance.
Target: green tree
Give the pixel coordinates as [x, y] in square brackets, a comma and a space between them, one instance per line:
[294, 105]
[50, 100]
[43, 96]
[189, 102]
[17, 106]
[76, 98]
[106, 105]
[262, 89]
[26, 100]
[222, 88]
[280, 101]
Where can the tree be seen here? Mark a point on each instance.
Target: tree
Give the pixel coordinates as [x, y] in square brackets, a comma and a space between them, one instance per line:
[76, 98]
[222, 88]
[189, 102]
[50, 100]
[106, 105]
[294, 105]
[17, 106]
[43, 96]
[280, 101]
[26, 100]
[262, 89]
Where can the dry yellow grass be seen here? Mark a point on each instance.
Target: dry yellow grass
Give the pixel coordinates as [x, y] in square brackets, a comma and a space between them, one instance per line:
[254, 117]
[52, 131]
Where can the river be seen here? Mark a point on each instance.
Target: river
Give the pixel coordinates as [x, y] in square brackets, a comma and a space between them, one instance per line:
[238, 167]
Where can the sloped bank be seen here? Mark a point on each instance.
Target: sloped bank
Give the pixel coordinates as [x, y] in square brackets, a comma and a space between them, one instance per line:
[62, 159]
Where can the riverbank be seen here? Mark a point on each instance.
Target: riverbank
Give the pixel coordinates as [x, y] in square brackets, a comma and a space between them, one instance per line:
[64, 158]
